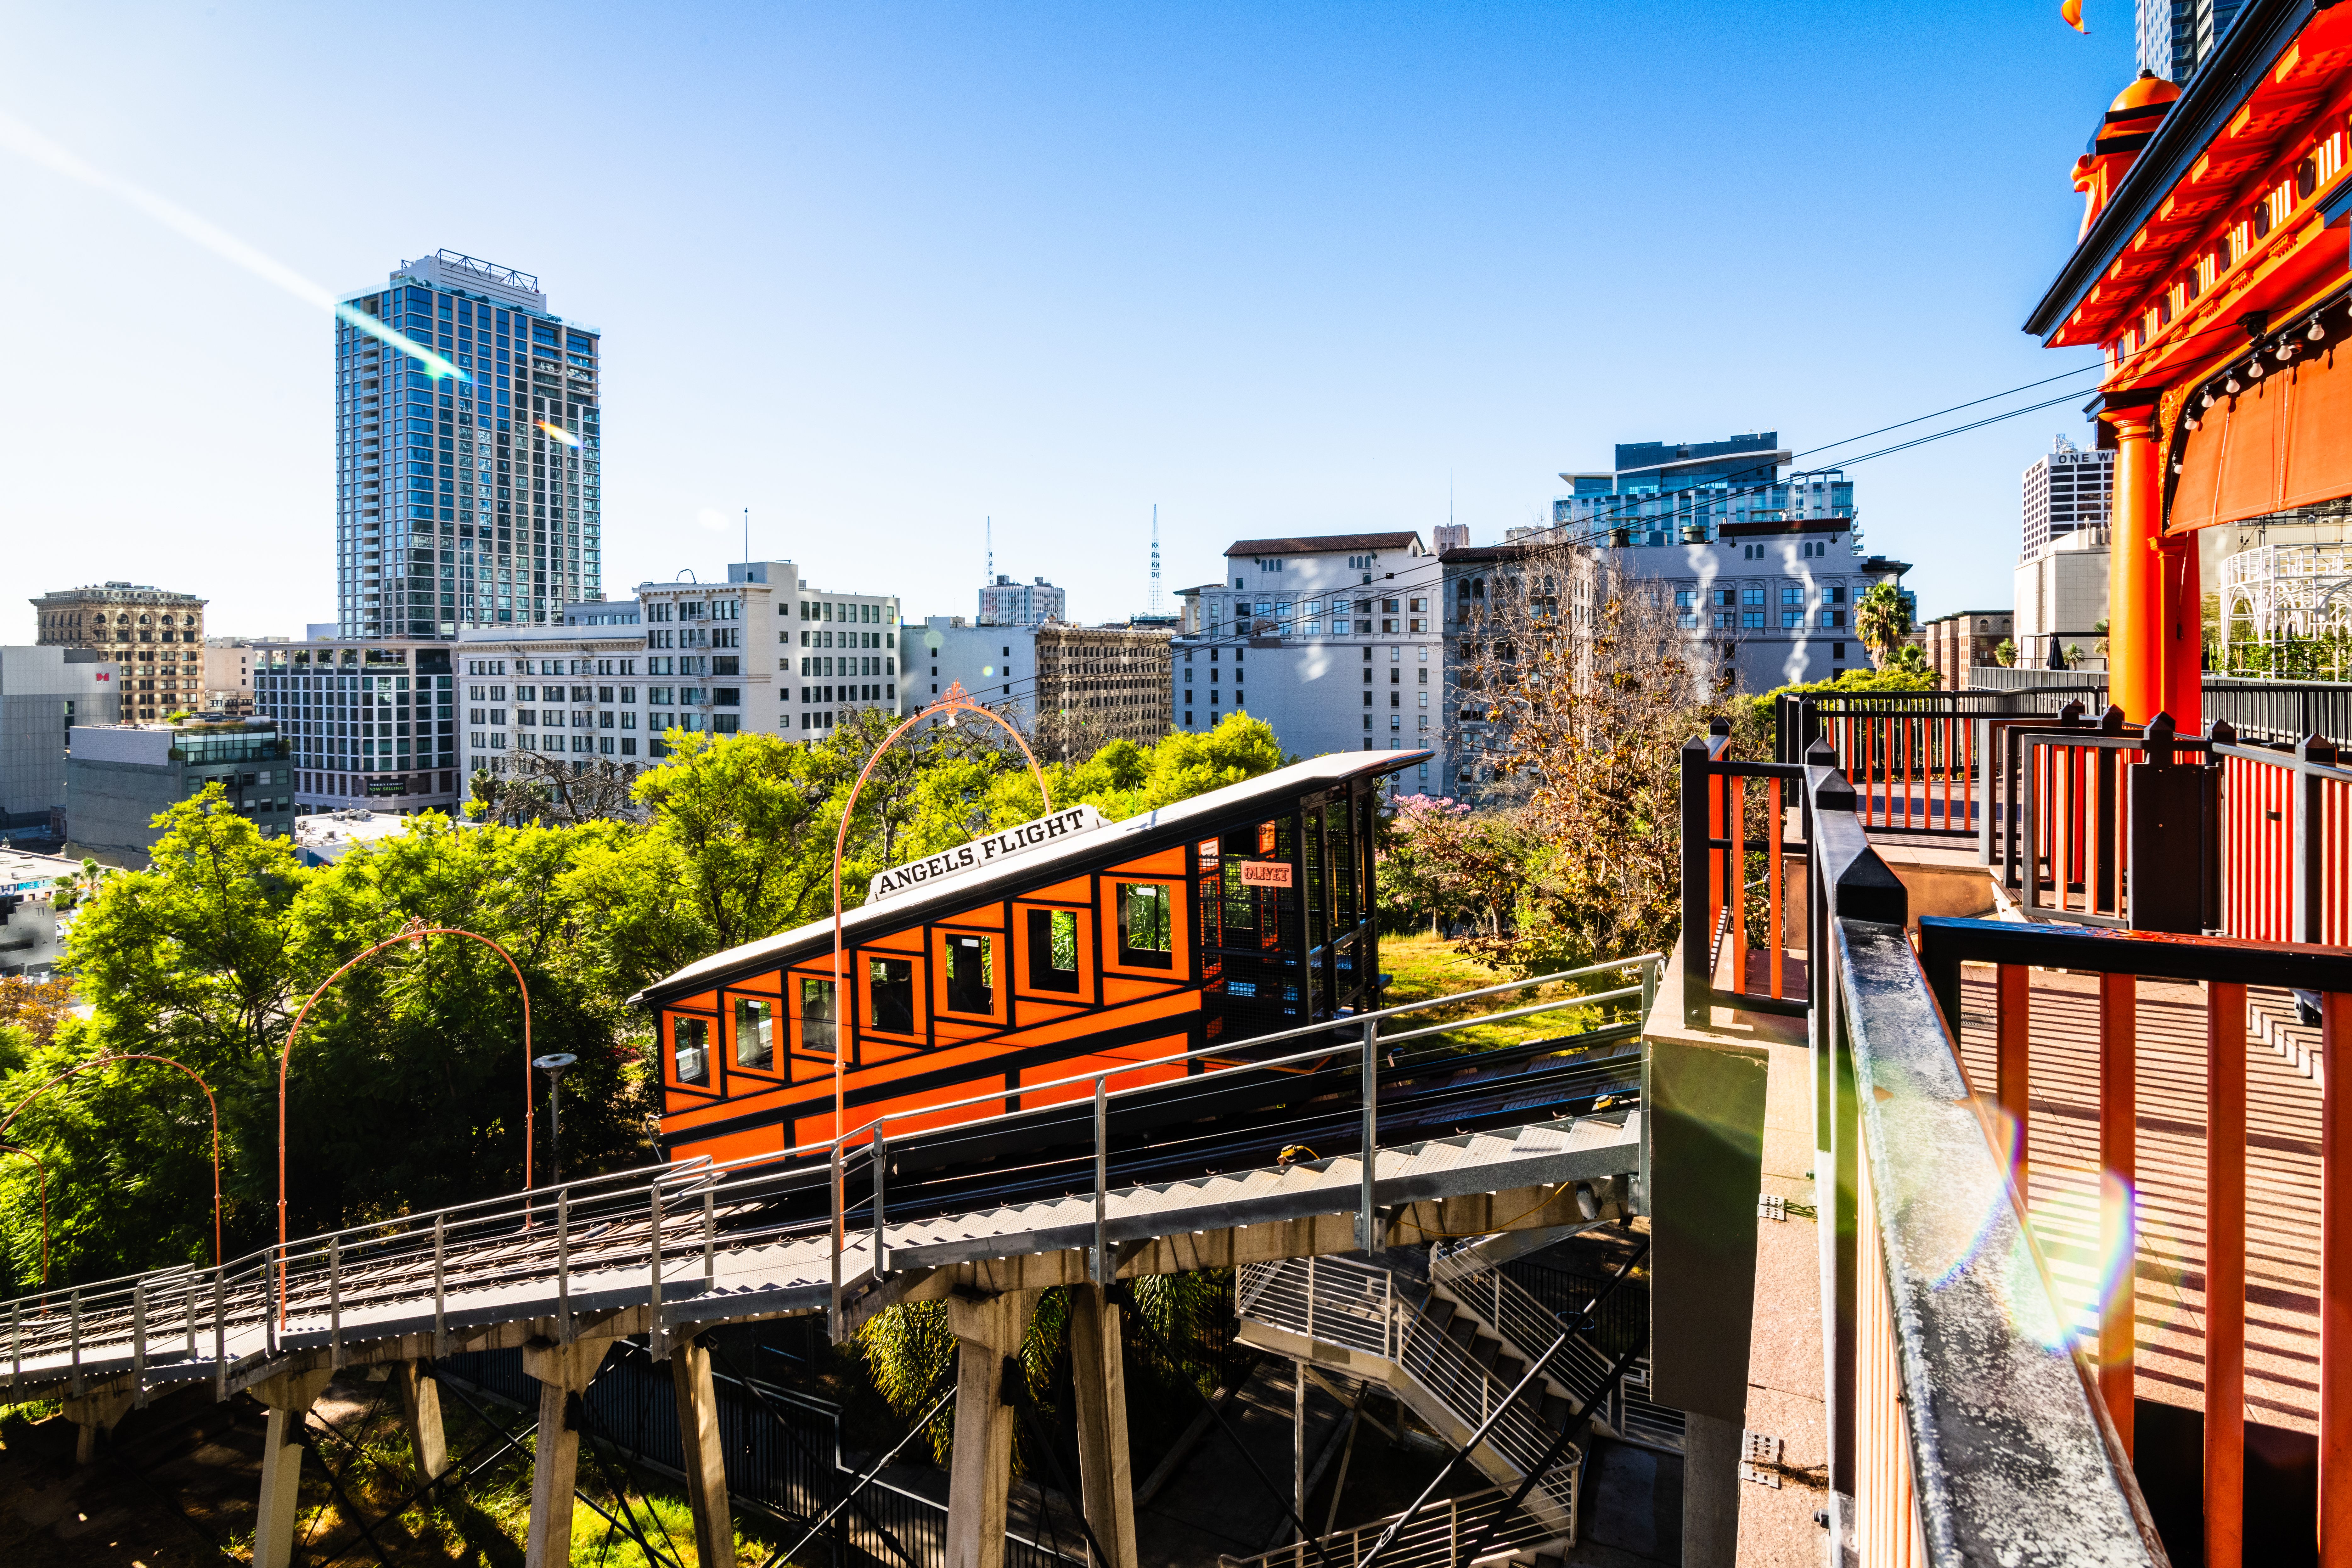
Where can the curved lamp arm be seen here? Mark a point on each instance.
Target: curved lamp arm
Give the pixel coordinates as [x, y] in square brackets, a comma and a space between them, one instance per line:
[956, 702]
[416, 930]
[97, 1061]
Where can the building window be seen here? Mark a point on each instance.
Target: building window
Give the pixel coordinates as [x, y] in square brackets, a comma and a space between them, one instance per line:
[1146, 926]
[1053, 950]
[816, 1017]
[690, 1045]
[890, 993]
[972, 975]
[755, 1033]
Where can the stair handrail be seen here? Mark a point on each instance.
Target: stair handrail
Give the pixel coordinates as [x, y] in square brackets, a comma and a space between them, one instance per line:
[1470, 1511]
[1424, 1352]
[1469, 1446]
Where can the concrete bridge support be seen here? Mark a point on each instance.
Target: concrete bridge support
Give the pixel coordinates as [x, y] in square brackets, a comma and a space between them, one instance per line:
[95, 1415]
[704, 1458]
[420, 1410]
[980, 1479]
[288, 1398]
[563, 1373]
[1100, 1378]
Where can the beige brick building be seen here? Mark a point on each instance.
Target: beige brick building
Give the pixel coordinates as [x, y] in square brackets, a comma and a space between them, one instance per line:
[153, 639]
[1100, 684]
[1957, 644]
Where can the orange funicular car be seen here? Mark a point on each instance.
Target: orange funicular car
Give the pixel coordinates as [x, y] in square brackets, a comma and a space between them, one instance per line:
[1065, 946]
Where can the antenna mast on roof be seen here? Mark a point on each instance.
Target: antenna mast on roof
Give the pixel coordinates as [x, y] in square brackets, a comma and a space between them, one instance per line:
[1157, 604]
[989, 525]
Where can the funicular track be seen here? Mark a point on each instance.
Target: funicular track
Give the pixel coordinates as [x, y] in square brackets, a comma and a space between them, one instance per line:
[1237, 1159]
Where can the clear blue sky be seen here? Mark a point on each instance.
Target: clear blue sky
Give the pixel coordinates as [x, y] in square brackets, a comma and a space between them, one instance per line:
[879, 271]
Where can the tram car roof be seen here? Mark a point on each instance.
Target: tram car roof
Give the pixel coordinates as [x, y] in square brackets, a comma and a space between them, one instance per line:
[1248, 801]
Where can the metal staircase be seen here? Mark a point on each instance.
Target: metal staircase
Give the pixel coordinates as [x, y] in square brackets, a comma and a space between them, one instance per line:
[1452, 1346]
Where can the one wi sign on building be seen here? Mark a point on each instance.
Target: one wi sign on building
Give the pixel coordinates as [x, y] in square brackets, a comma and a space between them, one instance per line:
[1265, 874]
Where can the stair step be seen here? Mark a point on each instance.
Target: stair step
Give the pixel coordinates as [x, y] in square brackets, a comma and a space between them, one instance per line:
[1508, 1370]
[1485, 1349]
[1462, 1331]
[1441, 1314]
[1556, 1412]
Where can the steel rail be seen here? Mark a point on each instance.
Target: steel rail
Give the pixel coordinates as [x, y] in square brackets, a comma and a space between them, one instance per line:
[388, 1263]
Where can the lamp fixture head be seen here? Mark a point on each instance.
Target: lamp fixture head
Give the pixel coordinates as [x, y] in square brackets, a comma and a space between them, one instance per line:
[2317, 333]
[2189, 420]
[2208, 398]
[2254, 367]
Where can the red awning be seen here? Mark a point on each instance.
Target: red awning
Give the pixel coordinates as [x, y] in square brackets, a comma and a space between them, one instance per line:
[2284, 441]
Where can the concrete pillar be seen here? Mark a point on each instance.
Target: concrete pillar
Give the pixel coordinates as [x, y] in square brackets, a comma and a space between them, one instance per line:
[1710, 1492]
[287, 1397]
[95, 1413]
[563, 1373]
[1099, 1383]
[979, 1479]
[420, 1409]
[704, 1458]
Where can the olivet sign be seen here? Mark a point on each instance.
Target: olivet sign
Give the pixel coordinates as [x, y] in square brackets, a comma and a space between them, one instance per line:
[992, 850]
[1265, 873]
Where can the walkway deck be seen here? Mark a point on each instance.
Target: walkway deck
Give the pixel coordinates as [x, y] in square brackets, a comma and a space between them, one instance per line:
[2281, 1176]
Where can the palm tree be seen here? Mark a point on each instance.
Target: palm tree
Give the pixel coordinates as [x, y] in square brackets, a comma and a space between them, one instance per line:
[1882, 620]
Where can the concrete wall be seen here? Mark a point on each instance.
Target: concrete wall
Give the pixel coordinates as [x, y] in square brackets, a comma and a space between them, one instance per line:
[40, 689]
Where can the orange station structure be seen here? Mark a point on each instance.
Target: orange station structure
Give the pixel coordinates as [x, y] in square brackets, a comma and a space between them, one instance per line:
[2212, 269]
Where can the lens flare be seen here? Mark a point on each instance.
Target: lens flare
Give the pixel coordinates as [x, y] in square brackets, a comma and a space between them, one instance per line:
[560, 434]
[17, 137]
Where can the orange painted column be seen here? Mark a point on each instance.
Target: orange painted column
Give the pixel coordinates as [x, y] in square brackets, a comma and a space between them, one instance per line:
[2183, 612]
[2135, 640]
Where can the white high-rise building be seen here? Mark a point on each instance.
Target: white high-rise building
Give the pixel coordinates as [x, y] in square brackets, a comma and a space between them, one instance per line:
[1005, 603]
[468, 487]
[1333, 639]
[2066, 490]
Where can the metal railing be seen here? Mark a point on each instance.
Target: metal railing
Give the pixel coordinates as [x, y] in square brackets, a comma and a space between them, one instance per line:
[671, 1238]
[2225, 968]
[1340, 1300]
[1955, 1435]
[1916, 759]
[1434, 1538]
[1726, 834]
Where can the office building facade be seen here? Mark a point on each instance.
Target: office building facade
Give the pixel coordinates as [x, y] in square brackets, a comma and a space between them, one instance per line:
[1005, 603]
[363, 724]
[121, 777]
[2066, 489]
[996, 665]
[467, 487]
[1334, 640]
[1664, 493]
[2177, 37]
[1100, 684]
[151, 638]
[44, 693]
[763, 652]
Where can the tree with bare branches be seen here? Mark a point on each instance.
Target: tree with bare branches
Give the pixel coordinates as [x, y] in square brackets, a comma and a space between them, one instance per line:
[1579, 684]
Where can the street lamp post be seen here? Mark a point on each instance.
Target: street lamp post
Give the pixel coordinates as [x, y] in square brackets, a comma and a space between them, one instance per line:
[552, 1065]
[956, 702]
[415, 931]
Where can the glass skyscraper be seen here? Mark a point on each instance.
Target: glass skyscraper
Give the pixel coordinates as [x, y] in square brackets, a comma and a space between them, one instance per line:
[2178, 36]
[468, 499]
